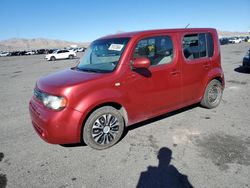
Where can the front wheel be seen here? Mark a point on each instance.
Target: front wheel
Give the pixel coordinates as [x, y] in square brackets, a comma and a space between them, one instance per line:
[103, 128]
[212, 95]
[52, 58]
[71, 56]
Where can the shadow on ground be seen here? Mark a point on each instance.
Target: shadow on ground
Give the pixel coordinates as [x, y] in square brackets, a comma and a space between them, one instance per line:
[241, 69]
[3, 178]
[164, 175]
[73, 145]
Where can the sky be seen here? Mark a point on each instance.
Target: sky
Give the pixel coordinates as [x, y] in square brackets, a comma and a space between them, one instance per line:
[87, 20]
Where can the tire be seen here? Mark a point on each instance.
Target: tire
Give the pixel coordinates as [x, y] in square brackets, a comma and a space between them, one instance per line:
[213, 94]
[52, 58]
[103, 128]
[71, 56]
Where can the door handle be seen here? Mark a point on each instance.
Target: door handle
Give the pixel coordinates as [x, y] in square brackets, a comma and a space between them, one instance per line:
[174, 72]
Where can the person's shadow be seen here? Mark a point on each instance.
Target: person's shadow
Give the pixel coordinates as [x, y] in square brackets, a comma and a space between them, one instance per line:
[165, 175]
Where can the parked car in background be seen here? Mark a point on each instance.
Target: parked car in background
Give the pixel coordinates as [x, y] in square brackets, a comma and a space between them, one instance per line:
[224, 41]
[124, 79]
[50, 51]
[14, 53]
[235, 40]
[30, 53]
[242, 39]
[4, 54]
[22, 53]
[42, 51]
[60, 54]
[246, 60]
[81, 49]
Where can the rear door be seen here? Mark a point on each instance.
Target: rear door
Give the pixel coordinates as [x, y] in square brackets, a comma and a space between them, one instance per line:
[158, 88]
[66, 54]
[59, 54]
[197, 52]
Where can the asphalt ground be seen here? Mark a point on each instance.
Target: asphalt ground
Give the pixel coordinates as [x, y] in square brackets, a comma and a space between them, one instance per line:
[191, 147]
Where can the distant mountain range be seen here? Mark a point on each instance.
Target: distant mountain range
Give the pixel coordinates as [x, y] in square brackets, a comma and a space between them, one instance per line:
[231, 34]
[37, 43]
[40, 43]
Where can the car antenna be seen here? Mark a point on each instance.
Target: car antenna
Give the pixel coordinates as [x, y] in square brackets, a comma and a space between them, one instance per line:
[187, 26]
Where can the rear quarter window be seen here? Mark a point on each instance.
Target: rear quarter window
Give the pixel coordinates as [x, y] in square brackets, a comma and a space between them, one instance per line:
[198, 45]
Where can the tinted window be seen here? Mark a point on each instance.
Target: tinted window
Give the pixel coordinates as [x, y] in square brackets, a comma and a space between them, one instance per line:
[210, 45]
[198, 46]
[159, 50]
[202, 45]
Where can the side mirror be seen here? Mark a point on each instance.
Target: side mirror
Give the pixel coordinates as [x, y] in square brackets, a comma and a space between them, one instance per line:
[140, 62]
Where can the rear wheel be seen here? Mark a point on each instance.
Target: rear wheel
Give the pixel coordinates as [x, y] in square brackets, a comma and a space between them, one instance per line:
[103, 128]
[71, 56]
[52, 58]
[212, 95]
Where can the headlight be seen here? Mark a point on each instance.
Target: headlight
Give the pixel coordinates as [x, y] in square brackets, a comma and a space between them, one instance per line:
[53, 102]
[50, 101]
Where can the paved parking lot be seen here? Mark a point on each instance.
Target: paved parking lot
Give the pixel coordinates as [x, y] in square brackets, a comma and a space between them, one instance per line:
[190, 147]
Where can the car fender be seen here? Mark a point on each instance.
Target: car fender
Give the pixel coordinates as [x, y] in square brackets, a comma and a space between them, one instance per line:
[48, 56]
[93, 100]
[87, 103]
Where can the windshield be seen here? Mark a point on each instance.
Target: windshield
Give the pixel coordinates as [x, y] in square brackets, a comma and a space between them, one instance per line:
[103, 55]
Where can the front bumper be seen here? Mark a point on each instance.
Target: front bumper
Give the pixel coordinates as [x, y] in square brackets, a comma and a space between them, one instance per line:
[56, 127]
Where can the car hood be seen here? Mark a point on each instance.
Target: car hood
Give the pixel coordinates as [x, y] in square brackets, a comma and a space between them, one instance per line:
[57, 83]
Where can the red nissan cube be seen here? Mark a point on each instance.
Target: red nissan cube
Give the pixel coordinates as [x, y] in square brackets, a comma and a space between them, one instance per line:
[124, 79]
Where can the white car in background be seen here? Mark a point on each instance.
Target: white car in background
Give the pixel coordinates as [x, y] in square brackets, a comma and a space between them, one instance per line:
[30, 53]
[4, 54]
[60, 54]
[80, 49]
[235, 40]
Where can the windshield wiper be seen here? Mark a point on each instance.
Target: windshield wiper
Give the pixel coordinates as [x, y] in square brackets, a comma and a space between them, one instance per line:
[91, 70]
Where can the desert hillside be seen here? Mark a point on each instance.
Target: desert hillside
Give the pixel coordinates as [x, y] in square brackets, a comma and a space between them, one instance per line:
[38, 43]
[230, 34]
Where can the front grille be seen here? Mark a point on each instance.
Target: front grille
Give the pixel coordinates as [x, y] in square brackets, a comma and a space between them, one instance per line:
[38, 94]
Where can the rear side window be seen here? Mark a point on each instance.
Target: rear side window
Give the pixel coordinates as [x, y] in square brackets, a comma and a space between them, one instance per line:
[159, 50]
[198, 46]
[210, 45]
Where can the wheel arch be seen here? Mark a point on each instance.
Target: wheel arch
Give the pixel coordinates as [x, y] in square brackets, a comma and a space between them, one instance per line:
[215, 74]
[51, 57]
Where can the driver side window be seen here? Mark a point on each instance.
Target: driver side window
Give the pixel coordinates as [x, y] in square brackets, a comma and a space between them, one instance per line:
[159, 50]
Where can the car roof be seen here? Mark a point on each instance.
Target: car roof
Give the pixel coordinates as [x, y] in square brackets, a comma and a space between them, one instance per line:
[157, 31]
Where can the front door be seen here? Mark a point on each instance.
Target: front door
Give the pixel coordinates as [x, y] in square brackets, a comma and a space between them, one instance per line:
[155, 90]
